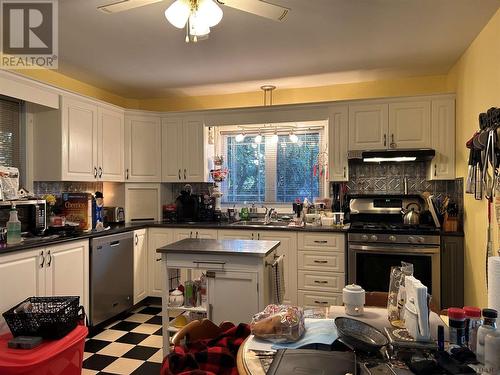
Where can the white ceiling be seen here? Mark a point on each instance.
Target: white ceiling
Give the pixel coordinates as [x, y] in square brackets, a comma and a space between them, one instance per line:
[138, 54]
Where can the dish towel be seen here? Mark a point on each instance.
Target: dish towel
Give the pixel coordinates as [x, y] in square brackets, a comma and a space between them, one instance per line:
[278, 280]
[494, 283]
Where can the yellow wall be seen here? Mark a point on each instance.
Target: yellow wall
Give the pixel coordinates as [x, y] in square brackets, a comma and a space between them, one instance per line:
[476, 80]
[361, 90]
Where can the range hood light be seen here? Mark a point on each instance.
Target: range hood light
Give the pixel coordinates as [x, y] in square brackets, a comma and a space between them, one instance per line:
[395, 159]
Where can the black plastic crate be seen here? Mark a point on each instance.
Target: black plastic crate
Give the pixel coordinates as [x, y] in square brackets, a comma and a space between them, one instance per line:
[49, 317]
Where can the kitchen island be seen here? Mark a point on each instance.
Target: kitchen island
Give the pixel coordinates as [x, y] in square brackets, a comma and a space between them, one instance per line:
[234, 268]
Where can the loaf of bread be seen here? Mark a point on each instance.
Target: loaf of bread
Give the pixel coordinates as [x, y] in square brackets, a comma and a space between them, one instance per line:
[279, 323]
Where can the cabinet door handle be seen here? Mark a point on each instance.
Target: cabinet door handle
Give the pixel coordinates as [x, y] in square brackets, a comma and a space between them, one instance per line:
[321, 302]
[126, 174]
[190, 234]
[345, 172]
[100, 172]
[180, 174]
[321, 261]
[320, 282]
[258, 236]
[196, 234]
[385, 140]
[95, 172]
[43, 259]
[435, 170]
[158, 260]
[136, 239]
[393, 145]
[320, 241]
[184, 173]
[252, 236]
[49, 262]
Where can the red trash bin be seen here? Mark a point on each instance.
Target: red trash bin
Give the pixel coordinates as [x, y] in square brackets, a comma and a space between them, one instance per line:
[57, 357]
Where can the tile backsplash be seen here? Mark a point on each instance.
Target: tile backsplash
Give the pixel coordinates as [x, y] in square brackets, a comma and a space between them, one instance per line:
[57, 187]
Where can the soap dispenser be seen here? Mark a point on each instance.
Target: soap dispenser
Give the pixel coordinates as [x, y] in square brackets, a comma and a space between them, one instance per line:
[13, 227]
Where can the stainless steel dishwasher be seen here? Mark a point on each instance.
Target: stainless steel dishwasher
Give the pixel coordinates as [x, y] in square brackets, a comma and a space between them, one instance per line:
[111, 276]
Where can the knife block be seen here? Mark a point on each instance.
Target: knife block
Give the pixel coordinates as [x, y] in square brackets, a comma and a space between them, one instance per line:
[450, 223]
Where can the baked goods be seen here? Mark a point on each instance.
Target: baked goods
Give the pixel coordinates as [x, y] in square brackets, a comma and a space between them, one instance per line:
[279, 323]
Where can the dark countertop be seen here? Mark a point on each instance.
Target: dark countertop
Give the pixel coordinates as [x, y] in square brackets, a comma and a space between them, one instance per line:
[220, 247]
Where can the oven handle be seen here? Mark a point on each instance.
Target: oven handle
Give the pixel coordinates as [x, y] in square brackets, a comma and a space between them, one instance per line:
[395, 249]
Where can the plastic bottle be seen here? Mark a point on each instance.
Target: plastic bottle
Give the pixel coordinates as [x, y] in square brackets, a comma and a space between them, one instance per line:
[474, 321]
[492, 352]
[489, 325]
[457, 326]
[13, 227]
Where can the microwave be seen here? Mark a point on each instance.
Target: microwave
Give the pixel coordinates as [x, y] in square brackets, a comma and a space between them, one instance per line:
[31, 213]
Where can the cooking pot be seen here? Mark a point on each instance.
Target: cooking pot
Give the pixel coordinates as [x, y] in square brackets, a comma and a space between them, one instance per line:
[410, 215]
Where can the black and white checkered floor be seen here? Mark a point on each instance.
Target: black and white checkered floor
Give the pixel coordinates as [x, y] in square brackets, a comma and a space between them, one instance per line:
[129, 346]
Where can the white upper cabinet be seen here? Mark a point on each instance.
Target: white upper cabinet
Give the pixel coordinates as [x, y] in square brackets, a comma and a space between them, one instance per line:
[79, 140]
[410, 124]
[184, 150]
[142, 149]
[111, 144]
[368, 125]
[337, 143]
[442, 166]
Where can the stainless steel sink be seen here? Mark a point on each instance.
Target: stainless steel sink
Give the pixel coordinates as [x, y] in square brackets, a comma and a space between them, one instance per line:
[248, 223]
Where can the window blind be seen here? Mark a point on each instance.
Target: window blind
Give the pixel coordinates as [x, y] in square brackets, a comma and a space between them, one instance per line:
[273, 172]
[10, 134]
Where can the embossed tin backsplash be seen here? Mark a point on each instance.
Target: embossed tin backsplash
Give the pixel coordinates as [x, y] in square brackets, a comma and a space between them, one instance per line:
[57, 187]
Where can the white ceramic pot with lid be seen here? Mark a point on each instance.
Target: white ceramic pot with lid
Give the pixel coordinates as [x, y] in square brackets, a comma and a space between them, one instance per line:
[176, 298]
[353, 297]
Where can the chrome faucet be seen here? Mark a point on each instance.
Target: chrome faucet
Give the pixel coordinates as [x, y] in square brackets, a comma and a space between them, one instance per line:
[268, 215]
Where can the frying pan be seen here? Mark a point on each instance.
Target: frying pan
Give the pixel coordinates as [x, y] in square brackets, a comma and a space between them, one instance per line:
[359, 335]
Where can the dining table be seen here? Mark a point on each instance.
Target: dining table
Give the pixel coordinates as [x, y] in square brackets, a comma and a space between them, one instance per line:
[251, 361]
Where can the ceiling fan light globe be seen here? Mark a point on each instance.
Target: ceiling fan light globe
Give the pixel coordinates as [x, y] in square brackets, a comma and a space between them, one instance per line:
[198, 25]
[210, 11]
[178, 13]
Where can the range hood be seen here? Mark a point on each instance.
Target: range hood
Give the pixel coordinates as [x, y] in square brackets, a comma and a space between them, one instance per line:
[380, 156]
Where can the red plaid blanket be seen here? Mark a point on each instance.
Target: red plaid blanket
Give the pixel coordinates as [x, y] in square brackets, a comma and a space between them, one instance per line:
[215, 356]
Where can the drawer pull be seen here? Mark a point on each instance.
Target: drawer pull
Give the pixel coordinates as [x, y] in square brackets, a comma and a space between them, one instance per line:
[321, 302]
[320, 241]
[158, 260]
[321, 261]
[320, 282]
[208, 262]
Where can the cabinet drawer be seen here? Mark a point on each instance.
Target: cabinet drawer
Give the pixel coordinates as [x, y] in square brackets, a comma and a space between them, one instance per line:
[319, 299]
[321, 241]
[323, 281]
[321, 261]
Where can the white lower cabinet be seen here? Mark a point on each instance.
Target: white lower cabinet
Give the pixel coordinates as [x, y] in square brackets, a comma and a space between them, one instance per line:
[208, 234]
[321, 269]
[140, 265]
[157, 237]
[228, 234]
[59, 270]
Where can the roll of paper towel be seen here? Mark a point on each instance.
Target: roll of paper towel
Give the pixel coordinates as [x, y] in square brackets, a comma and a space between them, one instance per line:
[494, 283]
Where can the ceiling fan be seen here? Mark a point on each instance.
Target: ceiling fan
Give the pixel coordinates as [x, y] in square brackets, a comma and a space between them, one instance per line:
[197, 16]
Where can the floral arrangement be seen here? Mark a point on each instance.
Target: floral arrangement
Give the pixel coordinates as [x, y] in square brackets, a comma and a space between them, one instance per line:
[51, 203]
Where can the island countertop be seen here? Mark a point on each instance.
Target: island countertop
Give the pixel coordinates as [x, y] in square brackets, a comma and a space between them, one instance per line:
[220, 247]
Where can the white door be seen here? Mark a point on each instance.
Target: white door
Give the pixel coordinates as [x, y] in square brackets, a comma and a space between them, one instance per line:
[288, 248]
[22, 275]
[368, 125]
[111, 144]
[442, 166]
[67, 271]
[79, 137]
[236, 235]
[171, 150]
[337, 143]
[226, 288]
[143, 149]
[194, 143]
[410, 124]
[140, 266]
[157, 238]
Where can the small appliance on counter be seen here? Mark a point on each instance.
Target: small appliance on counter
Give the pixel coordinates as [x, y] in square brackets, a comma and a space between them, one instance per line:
[187, 205]
[113, 215]
[353, 297]
[31, 213]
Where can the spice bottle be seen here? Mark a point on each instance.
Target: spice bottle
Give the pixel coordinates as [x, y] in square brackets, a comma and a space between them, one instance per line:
[457, 326]
[473, 321]
[489, 325]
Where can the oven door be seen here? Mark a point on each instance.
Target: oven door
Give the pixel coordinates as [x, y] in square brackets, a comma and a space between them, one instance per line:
[370, 266]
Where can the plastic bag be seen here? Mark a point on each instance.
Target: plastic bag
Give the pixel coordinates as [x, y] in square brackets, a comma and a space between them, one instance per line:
[9, 182]
[397, 293]
[279, 323]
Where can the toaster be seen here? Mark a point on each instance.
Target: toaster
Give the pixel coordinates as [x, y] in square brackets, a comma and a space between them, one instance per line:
[113, 215]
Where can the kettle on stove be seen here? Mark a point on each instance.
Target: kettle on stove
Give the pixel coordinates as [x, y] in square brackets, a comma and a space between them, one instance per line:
[410, 215]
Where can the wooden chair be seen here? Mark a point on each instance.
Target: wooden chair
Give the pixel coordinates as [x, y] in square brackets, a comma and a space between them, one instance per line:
[199, 330]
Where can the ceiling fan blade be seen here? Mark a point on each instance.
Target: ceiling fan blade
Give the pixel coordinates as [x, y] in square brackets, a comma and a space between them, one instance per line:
[258, 7]
[123, 5]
